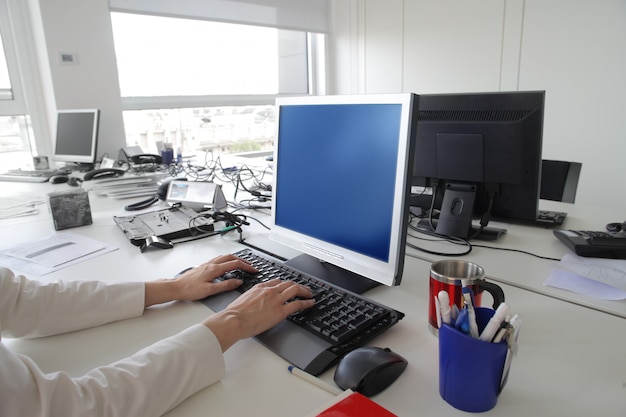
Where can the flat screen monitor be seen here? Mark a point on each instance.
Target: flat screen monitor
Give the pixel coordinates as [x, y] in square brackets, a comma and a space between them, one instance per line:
[341, 185]
[76, 136]
[481, 155]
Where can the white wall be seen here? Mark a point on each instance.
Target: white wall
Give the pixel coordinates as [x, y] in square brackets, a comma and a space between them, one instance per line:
[573, 49]
[84, 29]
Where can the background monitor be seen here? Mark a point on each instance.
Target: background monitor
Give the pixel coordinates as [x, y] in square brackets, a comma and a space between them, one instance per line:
[341, 185]
[481, 154]
[76, 136]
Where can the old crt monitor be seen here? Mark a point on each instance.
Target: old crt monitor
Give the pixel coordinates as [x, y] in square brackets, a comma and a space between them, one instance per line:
[481, 155]
[341, 185]
[77, 136]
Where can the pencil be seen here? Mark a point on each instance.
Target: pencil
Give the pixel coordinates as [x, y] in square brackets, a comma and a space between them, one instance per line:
[313, 380]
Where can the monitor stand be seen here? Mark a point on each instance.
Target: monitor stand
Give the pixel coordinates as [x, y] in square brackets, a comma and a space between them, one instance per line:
[332, 274]
[79, 166]
[488, 233]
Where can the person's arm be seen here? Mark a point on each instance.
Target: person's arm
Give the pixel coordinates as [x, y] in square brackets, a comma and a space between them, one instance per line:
[31, 308]
[147, 383]
[159, 377]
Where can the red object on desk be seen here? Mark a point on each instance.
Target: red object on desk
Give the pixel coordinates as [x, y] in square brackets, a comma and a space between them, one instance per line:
[353, 404]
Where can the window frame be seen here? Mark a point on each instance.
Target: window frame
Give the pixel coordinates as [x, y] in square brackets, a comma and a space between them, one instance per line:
[17, 105]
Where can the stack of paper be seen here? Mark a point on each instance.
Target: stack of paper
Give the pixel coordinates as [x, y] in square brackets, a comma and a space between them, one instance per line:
[595, 277]
[49, 254]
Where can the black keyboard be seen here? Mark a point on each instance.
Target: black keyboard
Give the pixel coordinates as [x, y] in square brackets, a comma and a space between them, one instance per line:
[594, 244]
[316, 338]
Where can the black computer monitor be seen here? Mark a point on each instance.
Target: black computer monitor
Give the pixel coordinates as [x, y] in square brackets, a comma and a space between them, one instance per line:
[77, 137]
[342, 185]
[481, 155]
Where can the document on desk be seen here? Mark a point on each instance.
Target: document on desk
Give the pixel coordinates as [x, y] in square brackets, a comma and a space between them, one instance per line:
[595, 277]
[52, 253]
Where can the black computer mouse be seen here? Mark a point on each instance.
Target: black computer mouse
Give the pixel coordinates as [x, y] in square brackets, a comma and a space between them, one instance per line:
[58, 179]
[369, 370]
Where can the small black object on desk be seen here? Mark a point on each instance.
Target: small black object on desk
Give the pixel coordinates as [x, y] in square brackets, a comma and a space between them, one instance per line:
[103, 173]
[155, 242]
[369, 370]
[58, 179]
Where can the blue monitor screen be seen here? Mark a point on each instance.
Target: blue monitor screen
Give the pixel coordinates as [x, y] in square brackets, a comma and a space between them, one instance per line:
[336, 169]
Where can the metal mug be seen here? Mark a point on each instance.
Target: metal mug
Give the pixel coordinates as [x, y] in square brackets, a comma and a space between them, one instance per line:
[449, 275]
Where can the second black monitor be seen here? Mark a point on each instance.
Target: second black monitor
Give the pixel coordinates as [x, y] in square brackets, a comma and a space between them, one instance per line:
[481, 155]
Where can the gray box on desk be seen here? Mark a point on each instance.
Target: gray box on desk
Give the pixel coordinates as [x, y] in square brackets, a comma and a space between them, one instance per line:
[70, 208]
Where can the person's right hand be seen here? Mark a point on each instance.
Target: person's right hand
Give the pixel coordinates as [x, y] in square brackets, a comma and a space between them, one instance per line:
[257, 310]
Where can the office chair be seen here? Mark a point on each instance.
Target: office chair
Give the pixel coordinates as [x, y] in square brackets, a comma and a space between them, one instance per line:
[559, 180]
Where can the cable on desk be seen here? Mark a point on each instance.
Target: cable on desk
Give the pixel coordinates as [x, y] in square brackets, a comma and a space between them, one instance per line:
[253, 218]
[451, 239]
[458, 241]
[519, 251]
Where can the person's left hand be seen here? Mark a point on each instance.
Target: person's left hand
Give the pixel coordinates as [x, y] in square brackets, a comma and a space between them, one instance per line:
[197, 283]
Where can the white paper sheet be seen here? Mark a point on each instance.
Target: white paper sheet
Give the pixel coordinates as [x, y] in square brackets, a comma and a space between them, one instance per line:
[52, 253]
[595, 277]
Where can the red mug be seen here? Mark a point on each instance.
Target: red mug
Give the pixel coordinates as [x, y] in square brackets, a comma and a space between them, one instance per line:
[449, 275]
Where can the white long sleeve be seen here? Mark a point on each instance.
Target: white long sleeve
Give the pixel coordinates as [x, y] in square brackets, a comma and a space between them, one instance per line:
[148, 383]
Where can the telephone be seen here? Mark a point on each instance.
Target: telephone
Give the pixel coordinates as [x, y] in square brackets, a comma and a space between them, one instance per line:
[103, 173]
[136, 155]
[146, 158]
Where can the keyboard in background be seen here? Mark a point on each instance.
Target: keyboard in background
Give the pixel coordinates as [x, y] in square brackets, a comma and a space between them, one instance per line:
[593, 244]
[316, 338]
[20, 175]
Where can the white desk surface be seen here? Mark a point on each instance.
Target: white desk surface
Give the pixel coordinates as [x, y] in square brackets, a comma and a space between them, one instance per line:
[570, 360]
[523, 270]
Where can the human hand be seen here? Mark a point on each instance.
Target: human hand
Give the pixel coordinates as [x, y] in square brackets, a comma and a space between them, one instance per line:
[257, 310]
[198, 282]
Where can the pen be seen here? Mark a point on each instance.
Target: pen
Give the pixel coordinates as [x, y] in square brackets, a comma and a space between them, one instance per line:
[444, 305]
[465, 283]
[454, 313]
[437, 311]
[471, 314]
[313, 380]
[514, 325]
[461, 322]
[494, 323]
[500, 334]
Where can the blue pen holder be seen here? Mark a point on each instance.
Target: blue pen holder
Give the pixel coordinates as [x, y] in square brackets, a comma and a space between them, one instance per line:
[470, 370]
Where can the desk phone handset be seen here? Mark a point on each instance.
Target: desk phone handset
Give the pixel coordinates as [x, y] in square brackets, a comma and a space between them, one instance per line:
[146, 158]
[103, 173]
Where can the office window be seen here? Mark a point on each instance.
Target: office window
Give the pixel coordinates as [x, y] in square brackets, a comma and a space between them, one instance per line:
[16, 139]
[205, 85]
[219, 129]
[5, 81]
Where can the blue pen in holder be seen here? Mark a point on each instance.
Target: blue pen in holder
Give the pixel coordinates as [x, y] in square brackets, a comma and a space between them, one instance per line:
[470, 370]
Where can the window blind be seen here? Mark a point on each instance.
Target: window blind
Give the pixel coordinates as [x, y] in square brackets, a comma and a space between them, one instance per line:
[302, 15]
